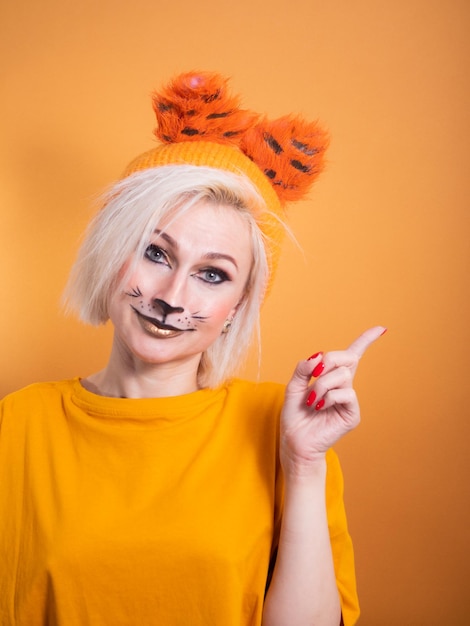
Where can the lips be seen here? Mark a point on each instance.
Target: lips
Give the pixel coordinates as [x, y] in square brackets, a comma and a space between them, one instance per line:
[156, 328]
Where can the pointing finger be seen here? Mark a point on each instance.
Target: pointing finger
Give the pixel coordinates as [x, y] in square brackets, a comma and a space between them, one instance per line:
[360, 345]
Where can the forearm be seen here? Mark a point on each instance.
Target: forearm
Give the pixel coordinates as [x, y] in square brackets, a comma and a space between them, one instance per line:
[303, 589]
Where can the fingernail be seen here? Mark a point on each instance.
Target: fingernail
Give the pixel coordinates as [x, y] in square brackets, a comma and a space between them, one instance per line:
[320, 404]
[384, 331]
[318, 369]
[311, 398]
[314, 356]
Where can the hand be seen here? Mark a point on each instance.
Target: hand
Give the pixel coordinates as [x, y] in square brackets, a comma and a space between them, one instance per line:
[316, 415]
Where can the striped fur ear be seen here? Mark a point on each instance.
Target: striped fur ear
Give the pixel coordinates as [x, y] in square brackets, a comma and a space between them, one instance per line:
[290, 151]
[197, 106]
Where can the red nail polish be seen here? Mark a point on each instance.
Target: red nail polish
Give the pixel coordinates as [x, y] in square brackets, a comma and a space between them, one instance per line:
[318, 369]
[311, 398]
[383, 332]
[320, 404]
[314, 356]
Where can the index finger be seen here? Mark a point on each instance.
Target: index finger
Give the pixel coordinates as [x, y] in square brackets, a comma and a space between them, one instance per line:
[360, 345]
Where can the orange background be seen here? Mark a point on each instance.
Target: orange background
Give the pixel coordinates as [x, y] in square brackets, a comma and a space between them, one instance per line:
[385, 233]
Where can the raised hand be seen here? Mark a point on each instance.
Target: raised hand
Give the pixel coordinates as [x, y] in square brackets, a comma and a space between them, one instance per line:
[316, 414]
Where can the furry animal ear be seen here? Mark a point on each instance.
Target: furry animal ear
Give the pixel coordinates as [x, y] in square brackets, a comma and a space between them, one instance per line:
[290, 151]
[197, 106]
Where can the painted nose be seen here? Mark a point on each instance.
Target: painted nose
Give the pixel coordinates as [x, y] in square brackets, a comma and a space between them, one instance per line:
[166, 308]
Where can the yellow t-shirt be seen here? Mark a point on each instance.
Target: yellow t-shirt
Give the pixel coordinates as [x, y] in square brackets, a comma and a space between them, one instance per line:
[153, 512]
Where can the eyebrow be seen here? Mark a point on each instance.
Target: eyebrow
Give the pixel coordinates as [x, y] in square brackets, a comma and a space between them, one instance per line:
[209, 255]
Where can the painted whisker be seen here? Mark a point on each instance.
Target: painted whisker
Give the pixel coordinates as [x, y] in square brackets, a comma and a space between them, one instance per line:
[135, 293]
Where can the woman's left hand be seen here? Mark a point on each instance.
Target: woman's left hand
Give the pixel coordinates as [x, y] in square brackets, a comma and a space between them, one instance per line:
[316, 414]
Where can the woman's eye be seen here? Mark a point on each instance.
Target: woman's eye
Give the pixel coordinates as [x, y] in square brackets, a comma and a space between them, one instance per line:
[155, 254]
[214, 276]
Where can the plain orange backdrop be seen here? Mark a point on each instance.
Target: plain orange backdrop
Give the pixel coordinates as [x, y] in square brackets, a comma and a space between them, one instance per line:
[384, 235]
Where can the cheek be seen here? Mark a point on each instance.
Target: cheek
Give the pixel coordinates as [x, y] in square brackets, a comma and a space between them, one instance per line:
[125, 282]
[221, 310]
[130, 278]
[225, 307]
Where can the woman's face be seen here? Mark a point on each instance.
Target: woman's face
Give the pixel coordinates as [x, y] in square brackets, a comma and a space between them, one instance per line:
[189, 282]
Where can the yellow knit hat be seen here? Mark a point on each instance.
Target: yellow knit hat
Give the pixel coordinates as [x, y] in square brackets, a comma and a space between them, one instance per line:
[201, 123]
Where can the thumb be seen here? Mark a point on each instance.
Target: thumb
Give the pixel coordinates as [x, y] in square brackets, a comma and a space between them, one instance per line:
[303, 373]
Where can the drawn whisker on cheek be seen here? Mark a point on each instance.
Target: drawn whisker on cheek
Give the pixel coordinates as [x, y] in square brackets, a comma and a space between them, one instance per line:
[200, 318]
[135, 293]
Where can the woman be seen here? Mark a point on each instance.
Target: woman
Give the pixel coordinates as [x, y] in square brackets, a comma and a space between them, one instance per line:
[161, 490]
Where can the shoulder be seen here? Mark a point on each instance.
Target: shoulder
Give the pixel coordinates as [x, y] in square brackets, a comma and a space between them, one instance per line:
[266, 395]
[255, 405]
[38, 390]
[34, 398]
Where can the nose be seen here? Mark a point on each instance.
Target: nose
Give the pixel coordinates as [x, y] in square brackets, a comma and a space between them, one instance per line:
[166, 308]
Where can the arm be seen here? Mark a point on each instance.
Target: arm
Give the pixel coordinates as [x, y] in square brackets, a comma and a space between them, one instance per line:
[303, 589]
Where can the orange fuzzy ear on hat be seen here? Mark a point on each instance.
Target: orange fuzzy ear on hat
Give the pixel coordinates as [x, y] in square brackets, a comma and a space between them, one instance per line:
[196, 116]
[290, 152]
[197, 106]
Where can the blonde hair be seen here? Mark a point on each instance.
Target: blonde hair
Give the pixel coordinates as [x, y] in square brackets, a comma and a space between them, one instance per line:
[132, 209]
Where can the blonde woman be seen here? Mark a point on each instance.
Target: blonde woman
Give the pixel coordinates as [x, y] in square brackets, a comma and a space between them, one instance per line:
[163, 490]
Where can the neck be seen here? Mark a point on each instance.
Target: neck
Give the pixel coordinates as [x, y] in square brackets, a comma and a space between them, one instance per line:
[131, 378]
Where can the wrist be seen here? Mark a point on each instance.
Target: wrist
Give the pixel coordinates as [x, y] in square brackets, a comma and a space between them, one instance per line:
[313, 471]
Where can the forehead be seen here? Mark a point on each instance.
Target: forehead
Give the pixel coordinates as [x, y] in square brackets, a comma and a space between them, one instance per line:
[209, 225]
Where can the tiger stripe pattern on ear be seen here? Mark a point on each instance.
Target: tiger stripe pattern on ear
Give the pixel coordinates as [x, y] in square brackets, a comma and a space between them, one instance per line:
[290, 152]
[197, 106]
